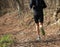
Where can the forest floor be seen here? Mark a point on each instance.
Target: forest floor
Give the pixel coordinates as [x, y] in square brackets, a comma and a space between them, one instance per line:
[24, 34]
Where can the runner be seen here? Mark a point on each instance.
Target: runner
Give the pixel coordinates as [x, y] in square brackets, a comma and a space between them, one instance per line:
[38, 6]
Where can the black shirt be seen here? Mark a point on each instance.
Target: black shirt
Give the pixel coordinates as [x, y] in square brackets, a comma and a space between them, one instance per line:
[37, 4]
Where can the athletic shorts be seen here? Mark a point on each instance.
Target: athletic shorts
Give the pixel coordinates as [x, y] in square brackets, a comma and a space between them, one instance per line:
[38, 16]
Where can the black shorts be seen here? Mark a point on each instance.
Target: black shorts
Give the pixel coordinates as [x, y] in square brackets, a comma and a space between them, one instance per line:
[38, 17]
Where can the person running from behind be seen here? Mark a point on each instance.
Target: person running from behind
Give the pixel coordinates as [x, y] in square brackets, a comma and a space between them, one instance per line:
[38, 6]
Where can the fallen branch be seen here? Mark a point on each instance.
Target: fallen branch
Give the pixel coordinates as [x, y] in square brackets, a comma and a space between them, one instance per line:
[57, 22]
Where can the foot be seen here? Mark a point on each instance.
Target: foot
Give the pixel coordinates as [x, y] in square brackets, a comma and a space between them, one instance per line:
[38, 38]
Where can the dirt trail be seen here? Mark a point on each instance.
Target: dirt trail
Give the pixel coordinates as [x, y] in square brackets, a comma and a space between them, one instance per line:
[24, 32]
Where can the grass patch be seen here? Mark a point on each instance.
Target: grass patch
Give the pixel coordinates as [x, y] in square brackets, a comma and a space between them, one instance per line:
[6, 41]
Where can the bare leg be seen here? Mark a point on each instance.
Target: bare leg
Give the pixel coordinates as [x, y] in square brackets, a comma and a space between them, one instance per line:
[41, 28]
[37, 29]
[40, 25]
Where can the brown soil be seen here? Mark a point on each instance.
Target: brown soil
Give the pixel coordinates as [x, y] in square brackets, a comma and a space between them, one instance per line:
[24, 34]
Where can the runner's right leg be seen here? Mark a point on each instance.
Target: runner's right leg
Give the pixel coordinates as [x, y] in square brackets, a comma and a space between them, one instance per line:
[38, 31]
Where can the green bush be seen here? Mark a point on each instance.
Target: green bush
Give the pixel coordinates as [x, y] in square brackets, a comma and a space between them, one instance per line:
[6, 41]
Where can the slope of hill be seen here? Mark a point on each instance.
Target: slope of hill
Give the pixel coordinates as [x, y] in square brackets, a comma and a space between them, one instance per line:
[22, 27]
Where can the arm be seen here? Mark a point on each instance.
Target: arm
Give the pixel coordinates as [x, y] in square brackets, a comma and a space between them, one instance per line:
[44, 4]
[31, 3]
